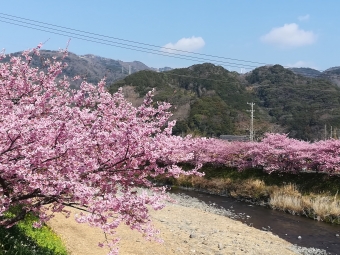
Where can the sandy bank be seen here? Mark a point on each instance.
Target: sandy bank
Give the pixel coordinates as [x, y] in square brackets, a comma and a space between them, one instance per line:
[196, 229]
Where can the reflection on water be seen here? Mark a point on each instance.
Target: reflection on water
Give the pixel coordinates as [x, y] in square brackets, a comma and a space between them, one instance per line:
[289, 227]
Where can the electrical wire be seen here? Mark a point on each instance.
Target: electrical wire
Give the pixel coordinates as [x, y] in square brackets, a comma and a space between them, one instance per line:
[139, 48]
[145, 44]
[121, 45]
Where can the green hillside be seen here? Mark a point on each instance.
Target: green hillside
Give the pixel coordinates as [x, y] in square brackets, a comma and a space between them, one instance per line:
[209, 100]
[303, 106]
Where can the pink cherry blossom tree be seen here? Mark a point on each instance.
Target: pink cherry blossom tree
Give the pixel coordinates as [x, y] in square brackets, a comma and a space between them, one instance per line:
[83, 148]
[274, 153]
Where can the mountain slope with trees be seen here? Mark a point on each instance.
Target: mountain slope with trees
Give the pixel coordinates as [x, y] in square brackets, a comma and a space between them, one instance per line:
[90, 67]
[303, 106]
[209, 100]
[332, 74]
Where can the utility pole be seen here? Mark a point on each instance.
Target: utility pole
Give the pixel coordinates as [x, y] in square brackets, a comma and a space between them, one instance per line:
[251, 130]
[331, 132]
[325, 131]
[335, 135]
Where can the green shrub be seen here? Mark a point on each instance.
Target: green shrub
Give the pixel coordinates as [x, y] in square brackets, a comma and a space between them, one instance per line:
[24, 239]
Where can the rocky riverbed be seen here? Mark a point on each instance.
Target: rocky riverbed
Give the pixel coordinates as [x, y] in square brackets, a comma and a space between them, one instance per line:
[187, 227]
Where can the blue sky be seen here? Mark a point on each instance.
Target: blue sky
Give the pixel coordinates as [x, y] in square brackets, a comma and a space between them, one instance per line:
[290, 33]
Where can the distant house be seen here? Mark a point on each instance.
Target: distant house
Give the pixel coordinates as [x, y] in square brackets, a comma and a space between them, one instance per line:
[231, 138]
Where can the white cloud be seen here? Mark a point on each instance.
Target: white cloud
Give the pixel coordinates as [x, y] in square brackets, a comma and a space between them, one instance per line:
[304, 18]
[186, 44]
[288, 36]
[301, 63]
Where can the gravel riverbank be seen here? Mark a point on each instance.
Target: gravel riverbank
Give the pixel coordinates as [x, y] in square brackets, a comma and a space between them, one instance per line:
[187, 227]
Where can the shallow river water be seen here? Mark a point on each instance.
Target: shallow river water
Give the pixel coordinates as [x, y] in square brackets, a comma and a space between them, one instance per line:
[296, 230]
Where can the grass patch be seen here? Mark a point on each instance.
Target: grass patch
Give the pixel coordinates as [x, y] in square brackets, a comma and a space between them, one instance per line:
[305, 182]
[23, 239]
[314, 195]
[317, 206]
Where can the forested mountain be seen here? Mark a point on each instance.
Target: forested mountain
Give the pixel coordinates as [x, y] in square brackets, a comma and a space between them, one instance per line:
[90, 67]
[303, 106]
[306, 71]
[211, 101]
[207, 99]
[332, 74]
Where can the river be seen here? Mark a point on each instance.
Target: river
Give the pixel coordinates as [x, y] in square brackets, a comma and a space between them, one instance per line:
[295, 229]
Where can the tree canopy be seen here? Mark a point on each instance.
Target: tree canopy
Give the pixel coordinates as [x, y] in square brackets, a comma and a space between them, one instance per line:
[83, 148]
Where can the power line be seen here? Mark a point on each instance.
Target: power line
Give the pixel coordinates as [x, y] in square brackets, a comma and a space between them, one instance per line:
[113, 44]
[121, 45]
[139, 48]
[158, 52]
[146, 44]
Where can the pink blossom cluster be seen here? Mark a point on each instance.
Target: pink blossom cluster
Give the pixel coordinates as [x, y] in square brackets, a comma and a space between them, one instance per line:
[82, 148]
[275, 152]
